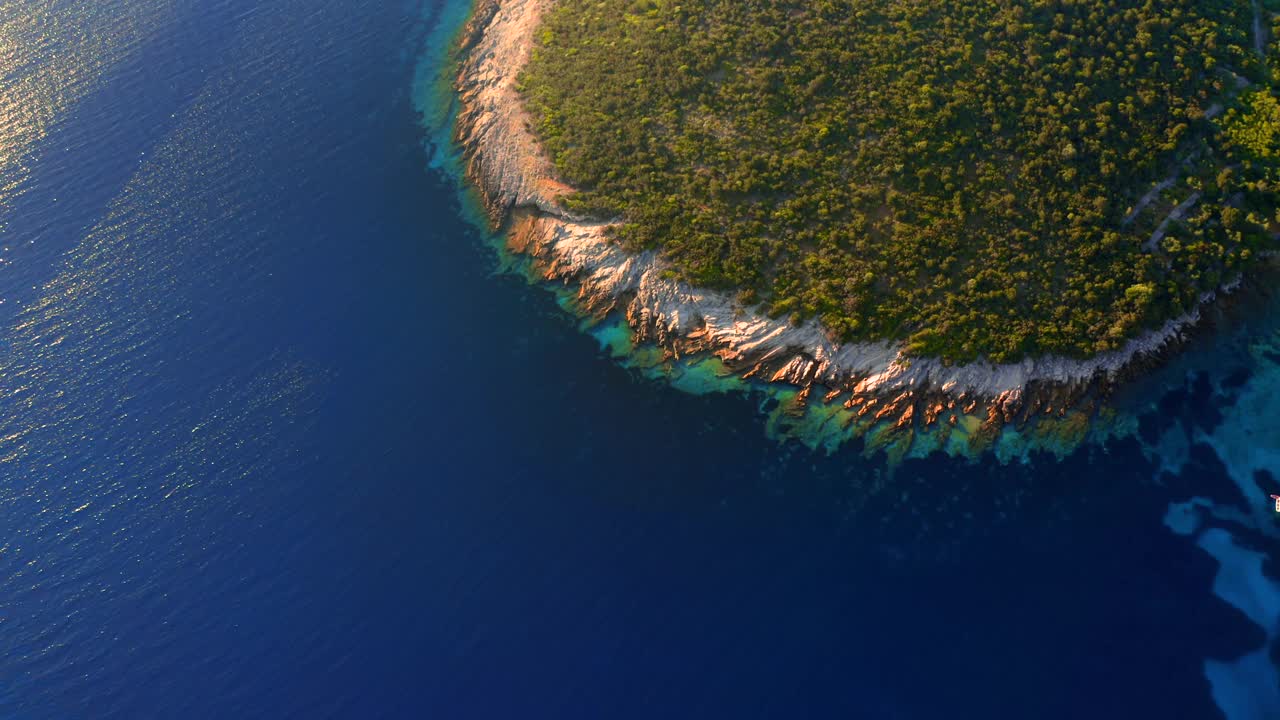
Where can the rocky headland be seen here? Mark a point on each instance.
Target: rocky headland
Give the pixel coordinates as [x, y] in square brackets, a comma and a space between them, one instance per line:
[502, 157]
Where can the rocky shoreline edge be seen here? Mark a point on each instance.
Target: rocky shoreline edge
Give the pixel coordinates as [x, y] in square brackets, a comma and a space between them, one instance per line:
[517, 183]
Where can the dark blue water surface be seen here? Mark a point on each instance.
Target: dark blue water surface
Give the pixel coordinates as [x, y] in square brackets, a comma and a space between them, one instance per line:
[277, 440]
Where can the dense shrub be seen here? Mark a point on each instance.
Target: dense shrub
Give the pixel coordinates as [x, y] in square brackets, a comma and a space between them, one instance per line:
[958, 175]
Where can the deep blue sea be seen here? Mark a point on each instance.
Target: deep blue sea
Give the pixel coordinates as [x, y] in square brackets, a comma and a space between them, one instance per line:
[278, 438]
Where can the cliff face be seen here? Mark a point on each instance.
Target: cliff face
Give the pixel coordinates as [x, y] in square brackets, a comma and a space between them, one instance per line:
[502, 156]
[517, 180]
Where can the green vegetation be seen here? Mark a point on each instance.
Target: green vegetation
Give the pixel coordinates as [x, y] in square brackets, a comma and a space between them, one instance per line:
[958, 175]
[1255, 127]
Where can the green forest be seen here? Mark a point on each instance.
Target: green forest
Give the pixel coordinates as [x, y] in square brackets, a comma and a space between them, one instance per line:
[990, 178]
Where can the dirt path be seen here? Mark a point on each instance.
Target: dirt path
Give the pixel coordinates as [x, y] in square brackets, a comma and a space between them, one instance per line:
[1150, 197]
[1174, 215]
[1259, 39]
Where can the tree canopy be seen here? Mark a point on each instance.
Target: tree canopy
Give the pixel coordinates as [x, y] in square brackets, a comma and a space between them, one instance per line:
[986, 178]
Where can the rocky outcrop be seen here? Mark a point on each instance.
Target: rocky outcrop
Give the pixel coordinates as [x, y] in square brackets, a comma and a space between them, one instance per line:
[503, 158]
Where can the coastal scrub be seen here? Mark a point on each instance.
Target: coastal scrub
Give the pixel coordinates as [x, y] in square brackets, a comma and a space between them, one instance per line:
[984, 179]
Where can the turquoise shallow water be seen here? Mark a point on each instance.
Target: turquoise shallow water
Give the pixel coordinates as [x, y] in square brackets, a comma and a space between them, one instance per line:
[282, 434]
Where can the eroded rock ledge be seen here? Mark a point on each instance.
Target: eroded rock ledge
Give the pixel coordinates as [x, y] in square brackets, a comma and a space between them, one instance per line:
[517, 181]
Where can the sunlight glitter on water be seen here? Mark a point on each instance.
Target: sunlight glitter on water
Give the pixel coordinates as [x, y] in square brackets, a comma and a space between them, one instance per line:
[76, 44]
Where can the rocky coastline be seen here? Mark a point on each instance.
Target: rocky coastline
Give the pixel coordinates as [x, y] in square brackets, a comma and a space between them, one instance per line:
[872, 380]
